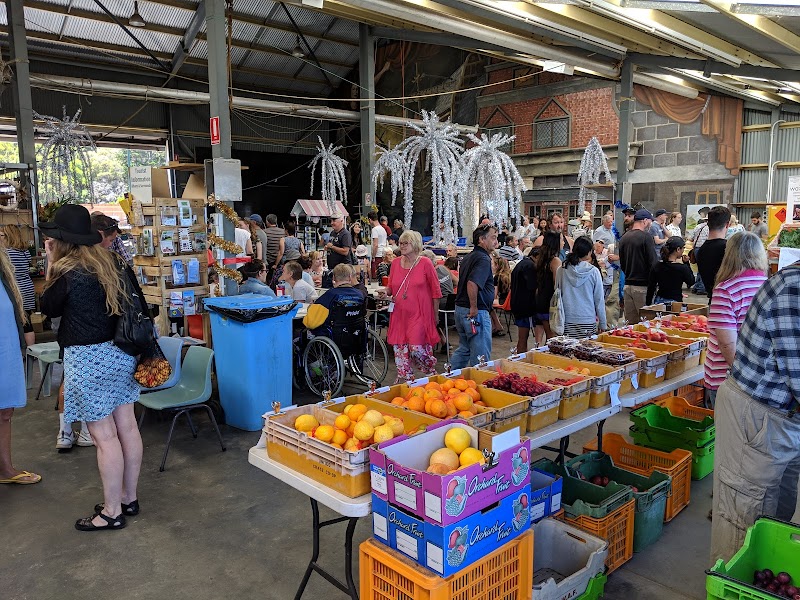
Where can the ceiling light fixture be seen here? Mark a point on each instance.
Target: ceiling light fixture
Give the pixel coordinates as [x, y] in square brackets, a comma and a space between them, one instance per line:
[297, 51]
[136, 20]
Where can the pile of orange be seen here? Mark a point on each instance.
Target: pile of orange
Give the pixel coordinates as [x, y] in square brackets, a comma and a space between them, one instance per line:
[454, 397]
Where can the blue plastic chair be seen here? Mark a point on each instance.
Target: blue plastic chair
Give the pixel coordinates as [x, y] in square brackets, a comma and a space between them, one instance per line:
[191, 391]
[171, 347]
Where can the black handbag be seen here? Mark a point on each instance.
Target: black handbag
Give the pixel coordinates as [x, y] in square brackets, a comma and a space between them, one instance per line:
[135, 333]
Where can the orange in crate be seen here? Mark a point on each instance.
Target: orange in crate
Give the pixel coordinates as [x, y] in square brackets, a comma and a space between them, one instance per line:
[616, 528]
[505, 574]
[643, 461]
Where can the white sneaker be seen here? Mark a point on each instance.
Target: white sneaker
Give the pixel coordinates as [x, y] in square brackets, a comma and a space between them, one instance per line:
[85, 439]
[65, 440]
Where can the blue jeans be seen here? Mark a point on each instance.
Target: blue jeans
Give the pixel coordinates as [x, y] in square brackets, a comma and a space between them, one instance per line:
[621, 285]
[471, 346]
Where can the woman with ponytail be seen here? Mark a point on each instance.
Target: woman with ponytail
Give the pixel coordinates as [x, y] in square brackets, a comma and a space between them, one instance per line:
[669, 275]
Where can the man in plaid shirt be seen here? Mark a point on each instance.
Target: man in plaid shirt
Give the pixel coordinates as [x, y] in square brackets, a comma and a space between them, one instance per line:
[757, 452]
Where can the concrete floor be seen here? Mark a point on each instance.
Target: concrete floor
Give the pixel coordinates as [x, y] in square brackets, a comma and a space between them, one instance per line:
[212, 526]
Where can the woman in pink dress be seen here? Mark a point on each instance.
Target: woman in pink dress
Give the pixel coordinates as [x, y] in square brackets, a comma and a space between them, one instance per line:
[414, 288]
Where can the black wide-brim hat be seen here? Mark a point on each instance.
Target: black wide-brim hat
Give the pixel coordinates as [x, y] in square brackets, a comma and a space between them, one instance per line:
[73, 224]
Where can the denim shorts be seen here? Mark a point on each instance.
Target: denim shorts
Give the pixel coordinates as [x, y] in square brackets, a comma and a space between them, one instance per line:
[542, 317]
[527, 322]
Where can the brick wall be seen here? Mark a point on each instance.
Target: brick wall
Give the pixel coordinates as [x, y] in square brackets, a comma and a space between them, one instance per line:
[592, 113]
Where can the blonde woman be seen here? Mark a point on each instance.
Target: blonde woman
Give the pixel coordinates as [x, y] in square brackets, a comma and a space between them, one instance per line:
[742, 272]
[11, 241]
[11, 347]
[84, 287]
[734, 227]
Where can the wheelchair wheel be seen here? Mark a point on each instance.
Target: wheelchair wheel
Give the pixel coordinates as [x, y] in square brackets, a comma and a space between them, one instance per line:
[324, 366]
[374, 363]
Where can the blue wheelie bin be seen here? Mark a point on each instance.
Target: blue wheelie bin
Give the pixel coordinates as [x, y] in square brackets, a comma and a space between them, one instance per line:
[252, 336]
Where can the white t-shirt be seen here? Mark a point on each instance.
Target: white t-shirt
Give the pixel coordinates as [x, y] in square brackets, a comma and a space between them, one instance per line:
[302, 292]
[379, 233]
[241, 237]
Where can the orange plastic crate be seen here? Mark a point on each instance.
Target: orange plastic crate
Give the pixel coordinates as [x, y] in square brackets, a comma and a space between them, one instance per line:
[694, 393]
[643, 461]
[505, 574]
[616, 528]
[681, 407]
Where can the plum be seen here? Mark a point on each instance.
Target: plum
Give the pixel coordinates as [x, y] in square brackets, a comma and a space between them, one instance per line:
[596, 480]
[791, 591]
[768, 575]
[783, 578]
[605, 481]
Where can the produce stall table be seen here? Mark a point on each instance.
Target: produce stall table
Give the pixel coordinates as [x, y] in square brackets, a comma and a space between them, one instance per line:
[351, 510]
[561, 430]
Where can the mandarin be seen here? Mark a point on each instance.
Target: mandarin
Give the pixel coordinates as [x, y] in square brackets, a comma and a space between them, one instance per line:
[463, 402]
[472, 384]
[432, 394]
[417, 391]
[438, 409]
[432, 386]
[460, 384]
[358, 411]
[416, 403]
[451, 409]
[473, 393]
[398, 401]
[465, 414]
[447, 385]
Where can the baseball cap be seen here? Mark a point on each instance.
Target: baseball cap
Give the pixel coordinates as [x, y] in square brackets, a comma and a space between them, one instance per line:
[256, 218]
[660, 212]
[102, 222]
[628, 211]
[335, 216]
[642, 214]
[674, 243]
[361, 250]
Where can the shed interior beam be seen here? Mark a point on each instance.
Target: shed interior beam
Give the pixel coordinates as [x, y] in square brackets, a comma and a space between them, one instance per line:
[759, 23]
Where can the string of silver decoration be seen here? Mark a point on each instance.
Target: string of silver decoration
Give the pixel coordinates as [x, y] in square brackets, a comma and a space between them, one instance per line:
[389, 163]
[594, 165]
[492, 177]
[443, 150]
[333, 186]
[65, 170]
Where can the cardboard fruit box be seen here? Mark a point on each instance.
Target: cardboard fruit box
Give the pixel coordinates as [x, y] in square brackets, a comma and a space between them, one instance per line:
[673, 308]
[342, 470]
[400, 476]
[447, 549]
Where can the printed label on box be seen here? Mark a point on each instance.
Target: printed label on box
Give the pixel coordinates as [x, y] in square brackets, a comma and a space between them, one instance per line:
[380, 526]
[406, 544]
[660, 372]
[433, 506]
[405, 495]
[537, 511]
[635, 381]
[614, 391]
[555, 503]
[378, 479]
[435, 558]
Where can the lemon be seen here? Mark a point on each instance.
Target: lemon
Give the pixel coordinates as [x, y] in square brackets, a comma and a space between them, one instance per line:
[373, 417]
[342, 422]
[324, 433]
[470, 456]
[305, 423]
[363, 431]
[457, 439]
[339, 437]
[383, 433]
[397, 427]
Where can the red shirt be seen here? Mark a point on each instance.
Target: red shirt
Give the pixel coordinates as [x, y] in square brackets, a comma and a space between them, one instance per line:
[413, 320]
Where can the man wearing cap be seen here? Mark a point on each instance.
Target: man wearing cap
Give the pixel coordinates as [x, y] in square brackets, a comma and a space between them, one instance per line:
[109, 230]
[340, 243]
[659, 231]
[260, 233]
[637, 255]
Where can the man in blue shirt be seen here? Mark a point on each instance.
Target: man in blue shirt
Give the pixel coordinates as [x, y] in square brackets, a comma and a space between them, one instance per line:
[474, 300]
[342, 289]
[757, 460]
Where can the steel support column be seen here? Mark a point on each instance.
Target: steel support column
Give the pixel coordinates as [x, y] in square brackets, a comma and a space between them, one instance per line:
[366, 70]
[23, 104]
[624, 149]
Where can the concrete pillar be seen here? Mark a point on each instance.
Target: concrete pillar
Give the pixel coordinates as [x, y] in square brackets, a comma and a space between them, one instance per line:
[366, 70]
[625, 110]
[23, 104]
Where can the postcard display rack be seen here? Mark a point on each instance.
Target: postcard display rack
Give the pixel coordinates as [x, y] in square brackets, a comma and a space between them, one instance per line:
[171, 261]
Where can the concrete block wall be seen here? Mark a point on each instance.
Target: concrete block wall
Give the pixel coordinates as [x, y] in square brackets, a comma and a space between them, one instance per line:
[666, 143]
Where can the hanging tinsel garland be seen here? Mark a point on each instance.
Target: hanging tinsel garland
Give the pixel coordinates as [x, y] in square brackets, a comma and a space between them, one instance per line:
[594, 164]
[389, 162]
[490, 175]
[334, 182]
[65, 170]
[228, 246]
[443, 150]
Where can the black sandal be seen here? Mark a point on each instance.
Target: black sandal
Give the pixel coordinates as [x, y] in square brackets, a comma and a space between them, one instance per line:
[86, 524]
[129, 510]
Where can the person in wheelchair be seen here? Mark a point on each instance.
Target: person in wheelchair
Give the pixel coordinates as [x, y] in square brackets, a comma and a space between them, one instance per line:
[343, 295]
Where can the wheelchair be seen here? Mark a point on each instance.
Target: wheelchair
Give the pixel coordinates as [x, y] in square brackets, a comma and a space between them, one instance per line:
[349, 344]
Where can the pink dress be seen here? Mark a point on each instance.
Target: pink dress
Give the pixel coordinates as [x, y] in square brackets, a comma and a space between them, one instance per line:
[413, 321]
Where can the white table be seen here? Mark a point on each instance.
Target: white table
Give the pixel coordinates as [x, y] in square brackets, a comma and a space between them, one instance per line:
[351, 510]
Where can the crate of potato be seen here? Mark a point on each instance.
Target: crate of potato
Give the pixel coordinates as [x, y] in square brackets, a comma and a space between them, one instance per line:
[329, 441]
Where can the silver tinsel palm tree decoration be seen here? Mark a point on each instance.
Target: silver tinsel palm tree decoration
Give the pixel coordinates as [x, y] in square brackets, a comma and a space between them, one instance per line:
[334, 183]
[443, 150]
[594, 165]
[389, 162]
[491, 176]
[65, 170]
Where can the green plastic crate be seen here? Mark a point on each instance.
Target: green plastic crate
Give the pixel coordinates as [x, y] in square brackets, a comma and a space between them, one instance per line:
[594, 590]
[581, 498]
[651, 499]
[769, 544]
[664, 427]
[702, 457]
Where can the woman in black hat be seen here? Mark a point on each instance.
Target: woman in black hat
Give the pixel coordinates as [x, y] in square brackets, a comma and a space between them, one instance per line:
[84, 287]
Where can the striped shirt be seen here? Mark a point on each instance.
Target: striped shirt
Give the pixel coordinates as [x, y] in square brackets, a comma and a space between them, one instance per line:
[728, 308]
[767, 365]
[21, 259]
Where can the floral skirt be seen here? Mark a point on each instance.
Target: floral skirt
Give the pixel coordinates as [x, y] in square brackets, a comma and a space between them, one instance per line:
[97, 379]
